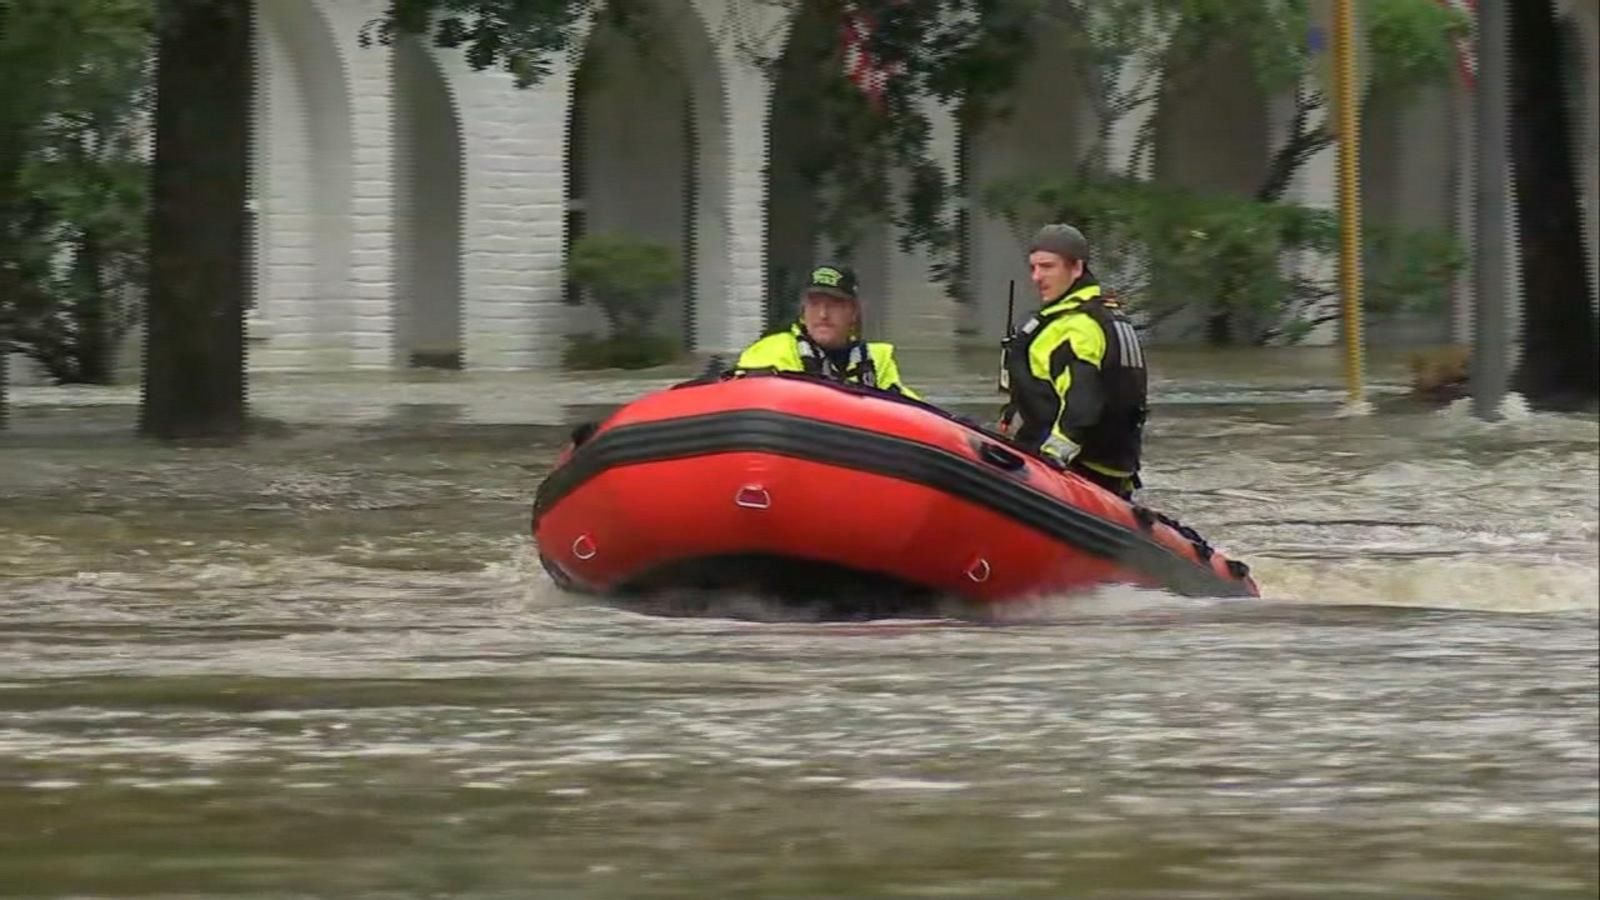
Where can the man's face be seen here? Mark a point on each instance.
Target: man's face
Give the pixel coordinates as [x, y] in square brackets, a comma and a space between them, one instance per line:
[829, 319]
[1051, 274]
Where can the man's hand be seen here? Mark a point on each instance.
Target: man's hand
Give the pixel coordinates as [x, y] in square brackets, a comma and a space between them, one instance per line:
[1008, 416]
[1060, 448]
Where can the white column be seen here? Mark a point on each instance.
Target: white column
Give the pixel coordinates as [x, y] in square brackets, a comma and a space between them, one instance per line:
[513, 215]
[709, 62]
[748, 94]
[371, 280]
[303, 171]
[280, 326]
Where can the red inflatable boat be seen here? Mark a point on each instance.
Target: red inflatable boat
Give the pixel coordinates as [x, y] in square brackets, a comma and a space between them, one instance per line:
[787, 485]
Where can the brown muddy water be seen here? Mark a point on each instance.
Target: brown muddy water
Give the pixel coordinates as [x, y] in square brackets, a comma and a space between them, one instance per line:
[326, 663]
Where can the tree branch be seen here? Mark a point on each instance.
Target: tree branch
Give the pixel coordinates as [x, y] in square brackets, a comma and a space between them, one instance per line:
[1276, 331]
[1313, 289]
[1303, 143]
[1154, 321]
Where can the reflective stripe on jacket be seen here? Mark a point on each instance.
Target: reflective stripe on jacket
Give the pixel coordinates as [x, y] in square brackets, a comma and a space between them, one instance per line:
[871, 364]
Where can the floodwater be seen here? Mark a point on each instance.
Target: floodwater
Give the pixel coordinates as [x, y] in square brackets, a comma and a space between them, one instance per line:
[327, 663]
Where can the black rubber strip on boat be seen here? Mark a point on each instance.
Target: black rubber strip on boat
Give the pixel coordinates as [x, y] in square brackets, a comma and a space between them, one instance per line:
[781, 434]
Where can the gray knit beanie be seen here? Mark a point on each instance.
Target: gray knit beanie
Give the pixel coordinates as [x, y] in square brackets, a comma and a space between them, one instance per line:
[1064, 241]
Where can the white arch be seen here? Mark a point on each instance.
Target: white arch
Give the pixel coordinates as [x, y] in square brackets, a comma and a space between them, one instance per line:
[747, 32]
[427, 303]
[302, 191]
[652, 151]
[1022, 142]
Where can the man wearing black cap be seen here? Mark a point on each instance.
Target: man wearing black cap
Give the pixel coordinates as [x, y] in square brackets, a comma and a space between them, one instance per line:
[826, 341]
[1075, 371]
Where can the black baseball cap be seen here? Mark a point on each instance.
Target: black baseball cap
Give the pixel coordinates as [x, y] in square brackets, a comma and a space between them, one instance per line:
[834, 281]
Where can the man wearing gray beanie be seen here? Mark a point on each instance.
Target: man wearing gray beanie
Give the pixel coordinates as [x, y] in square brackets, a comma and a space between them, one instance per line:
[1075, 371]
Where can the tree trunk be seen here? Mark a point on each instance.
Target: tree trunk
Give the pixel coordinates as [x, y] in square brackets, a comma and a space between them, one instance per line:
[1219, 328]
[93, 350]
[9, 162]
[194, 357]
[1560, 358]
[5, 336]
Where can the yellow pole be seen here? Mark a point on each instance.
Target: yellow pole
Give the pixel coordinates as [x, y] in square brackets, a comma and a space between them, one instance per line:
[1346, 111]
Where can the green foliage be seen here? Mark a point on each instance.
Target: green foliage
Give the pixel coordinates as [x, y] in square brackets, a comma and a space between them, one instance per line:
[1407, 41]
[1272, 32]
[636, 351]
[518, 35]
[1172, 248]
[72, 188]
[1409, 270]
[626, 277]
[1411, 43]
[89, 265]
[55, 56]
[1165, 249]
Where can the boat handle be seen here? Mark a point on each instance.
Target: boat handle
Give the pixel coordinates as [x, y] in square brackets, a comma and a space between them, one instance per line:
[753, 496]
[996, 455]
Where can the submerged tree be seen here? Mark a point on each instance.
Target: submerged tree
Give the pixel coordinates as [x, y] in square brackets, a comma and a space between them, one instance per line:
[194, 360]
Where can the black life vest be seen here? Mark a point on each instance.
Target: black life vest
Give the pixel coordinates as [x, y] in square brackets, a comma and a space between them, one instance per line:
[858, 369]
[1115, 441]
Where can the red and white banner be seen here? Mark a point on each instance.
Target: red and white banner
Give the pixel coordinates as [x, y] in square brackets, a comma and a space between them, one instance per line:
[860, 65]
[1467, 46]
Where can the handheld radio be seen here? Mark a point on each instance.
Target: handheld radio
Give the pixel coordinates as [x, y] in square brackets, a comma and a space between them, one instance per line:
[1004, 381]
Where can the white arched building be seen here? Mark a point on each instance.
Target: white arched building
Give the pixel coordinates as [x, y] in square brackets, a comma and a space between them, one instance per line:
[409, 210]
